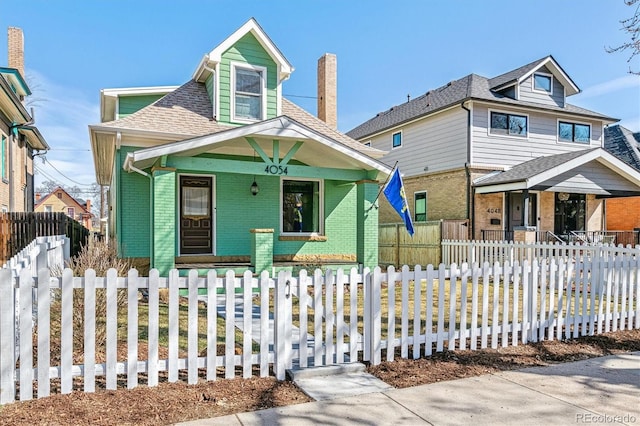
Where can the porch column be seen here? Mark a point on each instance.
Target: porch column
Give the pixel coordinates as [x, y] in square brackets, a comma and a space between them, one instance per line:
[367, 232]
[164, 219]
[525, 207]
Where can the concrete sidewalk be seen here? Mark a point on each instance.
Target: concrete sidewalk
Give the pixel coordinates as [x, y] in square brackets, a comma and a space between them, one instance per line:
[602, 390]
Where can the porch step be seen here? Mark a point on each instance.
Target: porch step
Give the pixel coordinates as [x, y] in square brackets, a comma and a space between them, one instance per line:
[336, 381]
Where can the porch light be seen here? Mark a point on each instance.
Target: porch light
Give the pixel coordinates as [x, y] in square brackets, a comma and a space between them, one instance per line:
[254, 188]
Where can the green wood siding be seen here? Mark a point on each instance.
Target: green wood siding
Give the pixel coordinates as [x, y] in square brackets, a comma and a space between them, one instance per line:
[127, 105]
[247, 50]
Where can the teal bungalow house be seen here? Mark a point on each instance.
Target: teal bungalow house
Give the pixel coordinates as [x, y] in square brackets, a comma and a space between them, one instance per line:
[224, 171]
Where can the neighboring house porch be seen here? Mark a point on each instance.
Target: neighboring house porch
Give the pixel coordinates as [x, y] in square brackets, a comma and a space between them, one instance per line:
[561, 197]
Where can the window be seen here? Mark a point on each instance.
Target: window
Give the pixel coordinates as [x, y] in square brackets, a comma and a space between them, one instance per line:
[543, 82]
[4, 157]
[508, 124]
[397, 140]
[59, 194]
[248, 93]
[195, 201]
[71, 212]
[48, 208]
[302, 206]
[574, 132]
[367, 143]
[420, 207]
[5, 209]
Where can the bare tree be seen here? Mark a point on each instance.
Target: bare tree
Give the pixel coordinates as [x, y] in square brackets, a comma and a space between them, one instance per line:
[632, 27]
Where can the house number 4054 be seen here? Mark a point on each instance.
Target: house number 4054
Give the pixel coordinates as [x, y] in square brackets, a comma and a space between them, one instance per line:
[276, 170]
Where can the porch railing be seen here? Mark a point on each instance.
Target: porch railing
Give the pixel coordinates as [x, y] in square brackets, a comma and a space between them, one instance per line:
[576, 237]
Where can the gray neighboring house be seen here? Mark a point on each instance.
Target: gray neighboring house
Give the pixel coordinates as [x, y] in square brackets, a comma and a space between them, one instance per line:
[490, 149]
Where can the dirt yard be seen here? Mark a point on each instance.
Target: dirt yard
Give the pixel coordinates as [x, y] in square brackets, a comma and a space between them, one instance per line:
[176, 402]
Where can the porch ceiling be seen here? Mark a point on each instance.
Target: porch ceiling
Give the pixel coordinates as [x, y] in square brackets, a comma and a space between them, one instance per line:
[592, 171]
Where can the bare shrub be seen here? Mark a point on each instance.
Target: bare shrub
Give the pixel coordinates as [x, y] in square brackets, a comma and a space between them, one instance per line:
[99, 256]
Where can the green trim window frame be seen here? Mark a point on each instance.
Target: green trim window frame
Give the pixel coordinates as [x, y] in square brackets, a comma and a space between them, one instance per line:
[301, 207]
[574, 132]
[420, 206]
[503, 123]
[396, 140]
[248, 92]
[5, 157]
[543, 82]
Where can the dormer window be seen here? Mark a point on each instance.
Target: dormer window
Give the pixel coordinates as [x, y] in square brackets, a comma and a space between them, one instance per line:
[543, 83]
[248, 97]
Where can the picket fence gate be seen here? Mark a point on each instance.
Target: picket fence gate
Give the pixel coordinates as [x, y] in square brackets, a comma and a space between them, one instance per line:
[339, 317]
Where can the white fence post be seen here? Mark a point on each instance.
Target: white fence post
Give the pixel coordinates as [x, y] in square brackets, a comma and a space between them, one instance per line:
[7, 338]
[282, 314]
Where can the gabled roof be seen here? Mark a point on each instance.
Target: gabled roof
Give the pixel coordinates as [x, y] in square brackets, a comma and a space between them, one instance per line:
[186, 113]
[251, 26]
[518, 75]
[318, 149]
[624, 144]
[470, 87]
[533, 173]
[81, 204]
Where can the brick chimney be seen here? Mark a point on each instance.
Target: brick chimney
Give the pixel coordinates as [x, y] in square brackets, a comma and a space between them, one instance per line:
[38, 196]
[87, 206]
[328, 89]
[16, 49]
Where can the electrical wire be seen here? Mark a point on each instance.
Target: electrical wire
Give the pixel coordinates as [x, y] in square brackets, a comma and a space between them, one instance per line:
[65, 176]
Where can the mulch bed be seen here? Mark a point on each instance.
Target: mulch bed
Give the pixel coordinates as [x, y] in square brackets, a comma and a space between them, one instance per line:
[176, 402]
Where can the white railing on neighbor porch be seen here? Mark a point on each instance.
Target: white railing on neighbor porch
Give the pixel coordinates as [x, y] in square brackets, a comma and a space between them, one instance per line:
[318, 319]
[478, 251]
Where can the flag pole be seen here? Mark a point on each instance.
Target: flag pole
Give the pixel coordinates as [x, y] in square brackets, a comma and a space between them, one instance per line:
[382, 187]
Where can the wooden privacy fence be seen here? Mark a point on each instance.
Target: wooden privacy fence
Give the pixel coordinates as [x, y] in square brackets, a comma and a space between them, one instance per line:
[397, 247]
[17, 230]
[477, 251]
[317, 319]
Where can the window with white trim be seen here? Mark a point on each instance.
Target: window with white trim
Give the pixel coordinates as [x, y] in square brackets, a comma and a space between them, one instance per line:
[543, 82]
[248, 92]
[302, 210]
[71, 212]
[508, 124]
[396, 140]
[48, 208]
[574, 132]
[420, 206]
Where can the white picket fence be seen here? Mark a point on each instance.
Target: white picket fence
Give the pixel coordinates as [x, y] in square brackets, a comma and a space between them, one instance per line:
[478, 251]
[317, 319]
[43, 252]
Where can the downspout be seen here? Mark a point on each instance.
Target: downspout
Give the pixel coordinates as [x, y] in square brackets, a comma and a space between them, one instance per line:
[470, 210]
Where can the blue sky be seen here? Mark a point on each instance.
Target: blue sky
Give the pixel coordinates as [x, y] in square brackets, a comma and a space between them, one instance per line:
[386, 50]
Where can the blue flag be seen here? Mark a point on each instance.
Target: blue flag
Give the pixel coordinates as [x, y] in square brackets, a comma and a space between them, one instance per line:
[394, 191]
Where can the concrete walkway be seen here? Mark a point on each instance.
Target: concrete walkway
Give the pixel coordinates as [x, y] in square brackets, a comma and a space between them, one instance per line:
[597, 391]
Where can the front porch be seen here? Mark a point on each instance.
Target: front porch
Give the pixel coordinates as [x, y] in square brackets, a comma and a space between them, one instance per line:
[558, 199]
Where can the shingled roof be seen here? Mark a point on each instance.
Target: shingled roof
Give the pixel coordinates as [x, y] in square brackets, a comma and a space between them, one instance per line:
[188, 111]
[531, 168]
[624, 144]
[470, 87]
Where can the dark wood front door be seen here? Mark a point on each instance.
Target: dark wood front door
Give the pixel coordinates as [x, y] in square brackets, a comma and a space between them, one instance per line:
[196, 215]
